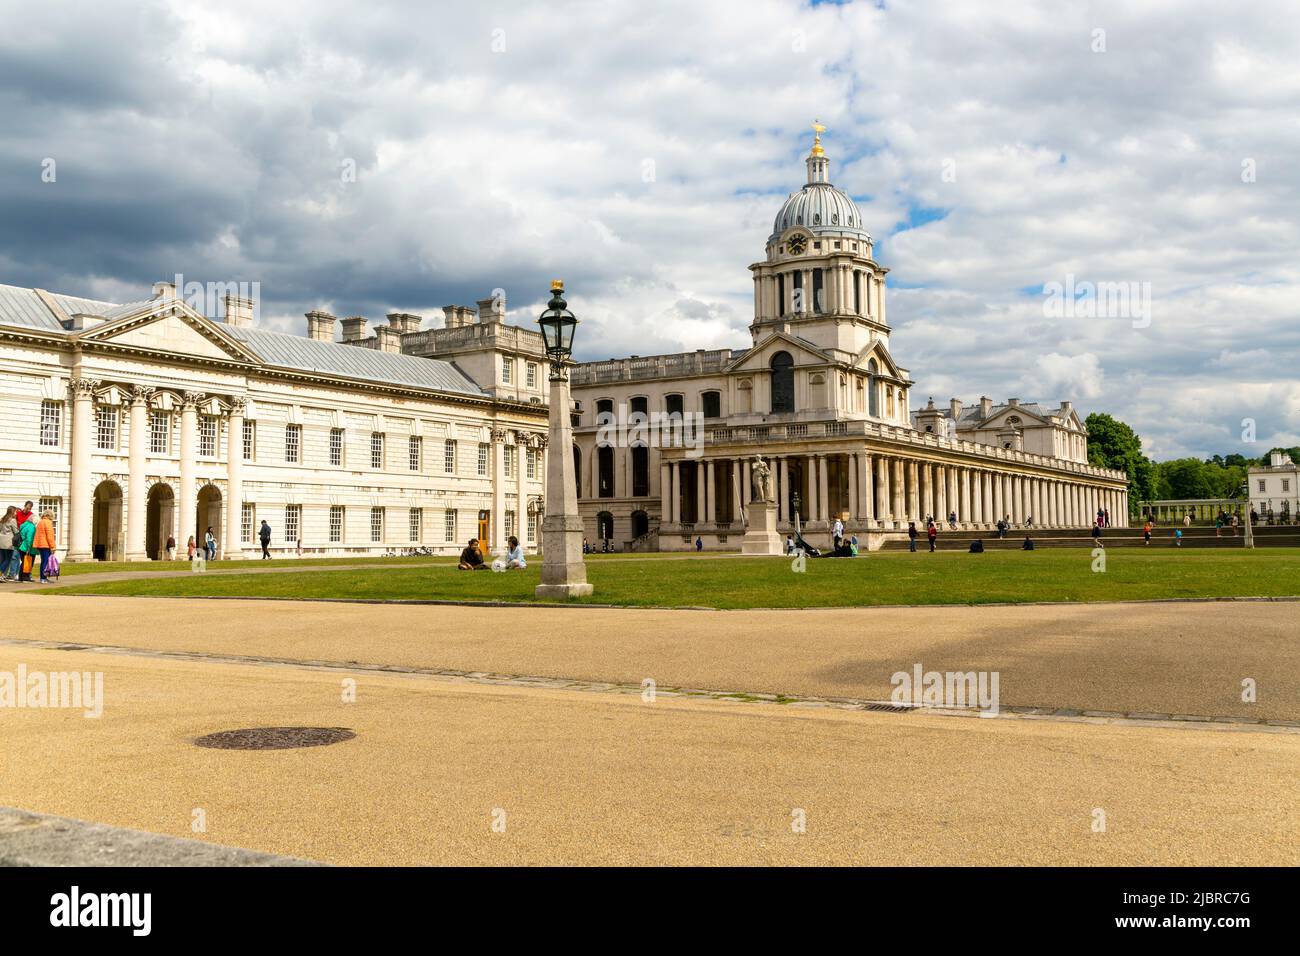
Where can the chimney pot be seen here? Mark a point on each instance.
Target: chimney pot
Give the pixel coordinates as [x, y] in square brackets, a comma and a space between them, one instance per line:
[320, 326]
[239, 311]
[354, 328]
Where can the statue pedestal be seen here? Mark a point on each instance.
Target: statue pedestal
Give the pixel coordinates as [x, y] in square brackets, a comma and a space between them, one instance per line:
[761, 537]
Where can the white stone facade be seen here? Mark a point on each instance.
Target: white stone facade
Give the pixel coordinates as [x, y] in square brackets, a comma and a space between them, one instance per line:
[1275, 489]
[136, 422]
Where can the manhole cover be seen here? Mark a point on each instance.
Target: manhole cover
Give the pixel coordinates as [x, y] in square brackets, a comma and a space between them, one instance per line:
[889, 708]
[275, 738]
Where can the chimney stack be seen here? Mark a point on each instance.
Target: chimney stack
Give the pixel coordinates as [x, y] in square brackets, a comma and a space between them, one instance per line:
[493, 308]
[320, 326]
[457, 316]
[405, 322]
[986, 406]
[1013, 401]
[354, 328]
[390, 340]
[954, 407]
[239, 311]
[164, 290]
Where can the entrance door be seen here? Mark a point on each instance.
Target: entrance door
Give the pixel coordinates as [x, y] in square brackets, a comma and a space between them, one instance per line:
[485, 531]
[107, 544]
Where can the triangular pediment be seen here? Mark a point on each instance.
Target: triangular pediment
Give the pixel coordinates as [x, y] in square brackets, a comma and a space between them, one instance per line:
[1003, 418]
[759, 358]
[170, 327]
[885, 364]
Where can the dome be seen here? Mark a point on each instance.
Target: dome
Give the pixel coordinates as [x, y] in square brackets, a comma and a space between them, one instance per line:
[821, 209]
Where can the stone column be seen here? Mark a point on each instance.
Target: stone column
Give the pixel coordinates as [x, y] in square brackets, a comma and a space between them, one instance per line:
[499, 489]
[851, 463]
[81, 497]
[665, 492]
[189, 505]
[965, 513]
[710, 493]
[986, 484]
[940, 493]
[952, 501]
[823, 490]
[137, 511]
[899, 510]
[882, 489]
[866, 496]
[521, 486]
[234, 478]
[736, 501]
[913, 492]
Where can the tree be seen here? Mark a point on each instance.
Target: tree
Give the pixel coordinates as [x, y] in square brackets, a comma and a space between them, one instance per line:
[1113, 444]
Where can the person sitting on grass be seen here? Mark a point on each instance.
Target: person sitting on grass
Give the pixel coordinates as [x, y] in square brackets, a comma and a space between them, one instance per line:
[471, 559]
[1028, 545]
[515, 556]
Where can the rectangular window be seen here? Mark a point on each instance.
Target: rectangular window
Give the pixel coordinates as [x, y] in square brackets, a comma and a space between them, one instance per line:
[449, 457]
[376, 525]
[507, 368]
[51, 505]
[1286, 484]
[508, 461]
[414, 523]
[449, 525]
[292, 442]
[531, 454]
[246, 522]
[250, 439]
[336, 524]
[510, 523]
[160, 439]
[482, 460]
[106, 432]
[532, 375]
[413, 452]
[532, 527]
[376, 450]
[1261, 484]
[336, 446]
[51, 416]
[292, 523]
[207, 437]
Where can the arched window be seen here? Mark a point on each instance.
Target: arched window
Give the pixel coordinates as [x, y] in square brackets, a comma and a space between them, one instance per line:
[712, 403]
[782, 383]
[640, 471]
[873, 392]
[577, 468]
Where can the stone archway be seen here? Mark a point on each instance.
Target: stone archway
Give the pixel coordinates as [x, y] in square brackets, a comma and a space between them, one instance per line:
[107, 540]
[208, 515]
[160, 520]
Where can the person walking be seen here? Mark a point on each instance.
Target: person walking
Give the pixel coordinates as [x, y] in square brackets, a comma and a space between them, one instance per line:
[24, 513]
[837, 532]
[171, 547]
[1178, 537]
[1146, 533]
[190, 548]
[952, 520]
[26, 534]
[264, 536]
[911, 536]
[8, 535]
[932, 533]
[210, 544]
[1096, 535]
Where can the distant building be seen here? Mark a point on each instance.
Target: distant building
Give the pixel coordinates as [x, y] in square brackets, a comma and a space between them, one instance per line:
[1274, 489]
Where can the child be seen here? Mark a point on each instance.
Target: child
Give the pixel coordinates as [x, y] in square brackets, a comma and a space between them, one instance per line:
[1178, 537]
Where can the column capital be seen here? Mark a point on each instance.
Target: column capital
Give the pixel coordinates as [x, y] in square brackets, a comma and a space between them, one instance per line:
[142, 394]
[84, 387]
[542, 440]
[238, 405]
[498, 435]
[191, 400]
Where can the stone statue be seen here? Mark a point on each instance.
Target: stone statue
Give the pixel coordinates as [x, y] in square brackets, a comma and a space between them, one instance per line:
[761, 478]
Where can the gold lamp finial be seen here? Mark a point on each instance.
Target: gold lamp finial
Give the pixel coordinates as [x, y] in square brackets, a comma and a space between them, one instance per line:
[557, 284]
[818, 129]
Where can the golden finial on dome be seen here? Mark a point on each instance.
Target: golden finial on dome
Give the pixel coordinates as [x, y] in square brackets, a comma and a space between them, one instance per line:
[818, 129]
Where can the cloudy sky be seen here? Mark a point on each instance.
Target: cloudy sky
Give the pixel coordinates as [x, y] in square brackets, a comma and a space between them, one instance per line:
[640, 151]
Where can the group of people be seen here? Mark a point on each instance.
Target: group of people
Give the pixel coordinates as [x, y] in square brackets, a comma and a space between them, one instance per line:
[471, 559]
[27, 543]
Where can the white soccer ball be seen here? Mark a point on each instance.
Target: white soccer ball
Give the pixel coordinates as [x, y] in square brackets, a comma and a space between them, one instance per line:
[499, 564]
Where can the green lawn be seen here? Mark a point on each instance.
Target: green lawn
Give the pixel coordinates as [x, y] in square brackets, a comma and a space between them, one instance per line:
[74, 568]
[729, 582]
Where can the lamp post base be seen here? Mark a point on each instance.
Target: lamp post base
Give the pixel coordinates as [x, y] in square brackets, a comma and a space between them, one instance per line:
[563, 591]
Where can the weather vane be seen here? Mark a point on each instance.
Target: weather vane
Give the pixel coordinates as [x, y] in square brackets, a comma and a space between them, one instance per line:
[818, 129]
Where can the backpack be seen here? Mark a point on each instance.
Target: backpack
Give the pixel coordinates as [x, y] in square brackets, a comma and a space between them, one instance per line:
[52, 566]
[977, 546]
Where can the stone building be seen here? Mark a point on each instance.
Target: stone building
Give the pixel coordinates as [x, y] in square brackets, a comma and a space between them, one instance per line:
[1274, 489]
[820, 396]
[139, 421]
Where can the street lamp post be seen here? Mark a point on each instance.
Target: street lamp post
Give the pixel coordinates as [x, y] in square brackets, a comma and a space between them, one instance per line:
[564, 573]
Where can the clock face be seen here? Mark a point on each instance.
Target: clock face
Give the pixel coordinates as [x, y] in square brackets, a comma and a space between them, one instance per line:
[798, 244]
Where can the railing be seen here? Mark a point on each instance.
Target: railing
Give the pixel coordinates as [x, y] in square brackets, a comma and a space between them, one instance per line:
[652, 366]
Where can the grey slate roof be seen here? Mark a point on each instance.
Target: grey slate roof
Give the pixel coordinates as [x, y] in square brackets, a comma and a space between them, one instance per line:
[23, 307]
[352, 361]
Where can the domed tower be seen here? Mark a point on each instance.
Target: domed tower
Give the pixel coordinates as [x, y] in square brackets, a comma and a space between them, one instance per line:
[819, 281]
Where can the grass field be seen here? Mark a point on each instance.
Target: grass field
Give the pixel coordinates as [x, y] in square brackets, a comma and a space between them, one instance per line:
[731, 582]
[75, 568]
